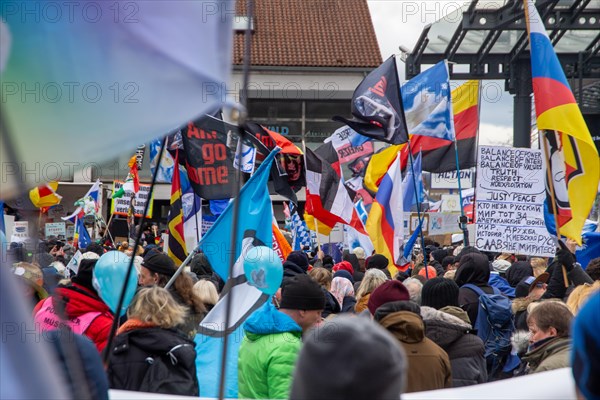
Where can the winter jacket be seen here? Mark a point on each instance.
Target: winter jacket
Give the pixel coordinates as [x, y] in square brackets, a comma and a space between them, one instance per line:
[267, 354]
[348, 304]
[361, 305]
[428, 365]
[501, 284]
[551, 355]
[331, 305]
[78, 301]
[556, 284]
[465, 350]
[519, 309]
[134, 352]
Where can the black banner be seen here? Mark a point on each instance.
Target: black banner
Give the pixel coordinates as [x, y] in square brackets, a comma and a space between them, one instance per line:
[210, 146]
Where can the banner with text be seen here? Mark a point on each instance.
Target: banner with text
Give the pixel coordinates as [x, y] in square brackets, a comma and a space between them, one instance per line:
[56, 229]
[449, 180]
[121, 205]
[510, 202]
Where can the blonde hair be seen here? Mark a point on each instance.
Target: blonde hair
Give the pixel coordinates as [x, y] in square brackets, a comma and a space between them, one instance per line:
[532, 306]
[206, 291]
[156, 305]
[372, 280]
[322, 276]
[580, 295]
[539, 265]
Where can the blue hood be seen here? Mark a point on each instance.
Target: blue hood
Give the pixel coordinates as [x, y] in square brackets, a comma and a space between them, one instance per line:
[267, 320]
[501, 284]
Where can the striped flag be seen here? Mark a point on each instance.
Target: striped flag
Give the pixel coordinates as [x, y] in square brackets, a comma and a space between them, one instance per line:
[573, 156]
[132, 182]
[177, 249]
[385, 224]
[45, 195]
[300, 233]
[90, 196]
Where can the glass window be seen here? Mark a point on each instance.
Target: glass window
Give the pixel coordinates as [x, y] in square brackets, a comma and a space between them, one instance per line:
[274, 109]
[327, 109]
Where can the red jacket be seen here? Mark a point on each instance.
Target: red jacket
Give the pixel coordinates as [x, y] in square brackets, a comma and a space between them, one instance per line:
[78, 301]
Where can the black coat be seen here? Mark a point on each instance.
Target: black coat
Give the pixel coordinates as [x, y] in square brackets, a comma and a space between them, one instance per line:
[134, 353]
[465, 350]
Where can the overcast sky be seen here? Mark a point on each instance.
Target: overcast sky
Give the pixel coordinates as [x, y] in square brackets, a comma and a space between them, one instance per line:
[400, 23]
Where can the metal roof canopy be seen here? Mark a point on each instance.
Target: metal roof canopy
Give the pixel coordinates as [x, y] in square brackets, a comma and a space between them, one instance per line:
[490, 38]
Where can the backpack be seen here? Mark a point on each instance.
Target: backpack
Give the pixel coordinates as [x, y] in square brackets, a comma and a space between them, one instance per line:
[495, 326]
[166, 374]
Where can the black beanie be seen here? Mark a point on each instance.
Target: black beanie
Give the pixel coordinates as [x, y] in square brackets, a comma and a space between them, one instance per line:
[299, 258]
[85, 274]
[301, 292]
[378, 261]
[159, 263]
[439, 293]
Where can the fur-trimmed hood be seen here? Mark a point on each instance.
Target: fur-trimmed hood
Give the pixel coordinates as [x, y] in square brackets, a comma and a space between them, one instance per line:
[443, 328]
[521, 304]
[520, 341]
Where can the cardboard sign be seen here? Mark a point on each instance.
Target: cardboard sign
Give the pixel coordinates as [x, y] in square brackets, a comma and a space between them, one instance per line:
[55, 229]
[120, 206]
[509, 212]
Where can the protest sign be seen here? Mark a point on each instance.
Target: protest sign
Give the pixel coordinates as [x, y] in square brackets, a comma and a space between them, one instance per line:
[449, 180]
[120, 205]
[55, 229]
[443, 223]
[510, 202]
[20, 231]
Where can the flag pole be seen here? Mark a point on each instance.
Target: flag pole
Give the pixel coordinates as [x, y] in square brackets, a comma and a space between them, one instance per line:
[551, 185]
[414, 179]
[138, 238]
[463, 218]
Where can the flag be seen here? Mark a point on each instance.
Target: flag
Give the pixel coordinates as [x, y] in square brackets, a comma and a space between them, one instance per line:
[255, 209]
[166, 166]
[81, 237]
[132, 182]
[177, 249]
[385, 224]
[209, 157]
[410, 244]
[410, 197]
[378, 165]
[357, 190]
[589, 249]
[300, 233]
[377, 106]
[83, 203]
[327, 198]
[428, 104]
[135, 77]
[349, 144]
[45, 195]
[280, 244]
[192, 217]
[573, 155]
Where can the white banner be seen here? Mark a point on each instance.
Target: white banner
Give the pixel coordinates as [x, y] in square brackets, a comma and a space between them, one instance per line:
[443, 223]
[450, 203]
[449, 180]
[510, 202]
[56, 229]
[20, 231]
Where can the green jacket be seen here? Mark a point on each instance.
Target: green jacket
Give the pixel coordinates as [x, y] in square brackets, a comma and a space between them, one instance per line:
[551, 355]
[268, 354]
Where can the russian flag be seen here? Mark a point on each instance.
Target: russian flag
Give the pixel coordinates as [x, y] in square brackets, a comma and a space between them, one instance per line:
[385, 223]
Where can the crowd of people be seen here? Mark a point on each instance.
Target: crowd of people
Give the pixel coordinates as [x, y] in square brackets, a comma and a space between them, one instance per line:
[350, 329]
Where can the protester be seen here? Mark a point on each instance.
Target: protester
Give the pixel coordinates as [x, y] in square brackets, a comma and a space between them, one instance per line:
[200, 266]
[449, 327]
[387, 292]
[539, 265]
[149, 354]
[364, 362]
[473, 269]
[362, 258]
[435, 260]
[343, 266]
[518, 271]
[273, 339]
[295, 264]
[549, 342]
[428, 365]
[580, 295]
[414, 287]
[31, 279]
[357, 274]
[585, 355]
[530, 289]
[379, 261]
[157, 269]
[343, 291]
[372, 280]
[323, 277]
[206, 292]
[84, 312]
[593, 269]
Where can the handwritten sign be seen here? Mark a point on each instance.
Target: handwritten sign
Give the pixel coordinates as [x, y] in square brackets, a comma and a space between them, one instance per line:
[120, 206]
[56, 229]
[510, 202]
[20, 231]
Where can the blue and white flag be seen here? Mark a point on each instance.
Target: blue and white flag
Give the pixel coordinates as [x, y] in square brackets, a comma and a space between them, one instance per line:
[255, 209]
[83, 237]
[247, 153]
[428, 104]
[300, 233]
[411, 198]
[589, 249]
[166, 166]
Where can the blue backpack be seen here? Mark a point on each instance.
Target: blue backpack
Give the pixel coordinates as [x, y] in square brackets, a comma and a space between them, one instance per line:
[495, 326]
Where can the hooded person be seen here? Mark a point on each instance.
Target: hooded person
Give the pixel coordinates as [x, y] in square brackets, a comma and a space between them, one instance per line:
[474, 269]
[84, 311]
[530, 289]
[364, 361]
[203, 270]
[437, 256]
[428, 364]
[585, 354]
[449, 327]
[51, 275]
[343, 291]
[299, 259]
[273, 338]
[357, 274]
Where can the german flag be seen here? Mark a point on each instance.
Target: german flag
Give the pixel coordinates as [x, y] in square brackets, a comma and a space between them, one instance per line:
[439, 154]
[177, 250]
